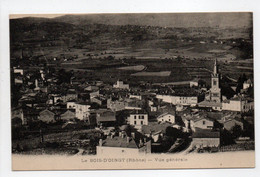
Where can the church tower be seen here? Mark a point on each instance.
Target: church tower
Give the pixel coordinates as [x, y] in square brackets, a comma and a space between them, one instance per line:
[215, 91]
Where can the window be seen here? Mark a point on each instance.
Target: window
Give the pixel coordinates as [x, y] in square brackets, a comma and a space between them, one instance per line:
[203, 122]
[141, 122]
[169, 119]
[135, 122]
[214, 82]
[134, 117]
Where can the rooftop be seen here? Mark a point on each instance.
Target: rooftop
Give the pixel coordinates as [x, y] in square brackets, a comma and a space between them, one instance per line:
[205, 133]
[120, 142]
[153, 127]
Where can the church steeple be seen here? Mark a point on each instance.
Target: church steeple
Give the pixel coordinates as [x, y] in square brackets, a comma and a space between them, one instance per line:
[215, 68]
[215, 91]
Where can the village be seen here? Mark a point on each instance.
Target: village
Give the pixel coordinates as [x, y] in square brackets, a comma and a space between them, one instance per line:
[59, 112]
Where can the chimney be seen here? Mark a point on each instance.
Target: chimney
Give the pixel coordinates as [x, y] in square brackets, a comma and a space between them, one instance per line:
[111, 136]
[120, 134]
[133, 135]
[100, 142]
[145, 140]
[127, 139]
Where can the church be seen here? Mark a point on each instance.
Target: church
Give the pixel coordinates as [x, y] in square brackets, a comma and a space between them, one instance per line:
[215, 91]
[213, 98]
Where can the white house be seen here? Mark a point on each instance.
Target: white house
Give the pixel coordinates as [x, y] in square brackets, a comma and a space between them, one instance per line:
[120, 85]
[18, 70]
[237, 104]
[138, 118]
[181, 100]
[71, 104]
[82, 110]
[201, 123]
[166, 117]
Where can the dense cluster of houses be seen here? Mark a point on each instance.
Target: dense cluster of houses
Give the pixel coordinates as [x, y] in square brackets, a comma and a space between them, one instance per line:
[148, 111]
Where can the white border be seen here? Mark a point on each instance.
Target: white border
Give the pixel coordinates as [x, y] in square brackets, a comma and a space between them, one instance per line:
[114, 6]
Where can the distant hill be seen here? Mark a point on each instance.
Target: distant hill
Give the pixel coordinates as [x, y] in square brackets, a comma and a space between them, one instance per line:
[135, 31]
[222, 20]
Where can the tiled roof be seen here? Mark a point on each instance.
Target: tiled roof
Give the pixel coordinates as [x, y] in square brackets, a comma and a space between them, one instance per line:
[155, 127]
[205, 133]
[120, 142]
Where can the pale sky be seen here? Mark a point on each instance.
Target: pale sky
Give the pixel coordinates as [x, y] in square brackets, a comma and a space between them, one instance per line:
[12, 16]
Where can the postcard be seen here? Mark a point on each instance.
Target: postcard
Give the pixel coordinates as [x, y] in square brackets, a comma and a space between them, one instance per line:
[132, 91]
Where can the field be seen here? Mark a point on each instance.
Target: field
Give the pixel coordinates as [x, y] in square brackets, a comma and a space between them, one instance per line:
[150, 74]
[130, 52]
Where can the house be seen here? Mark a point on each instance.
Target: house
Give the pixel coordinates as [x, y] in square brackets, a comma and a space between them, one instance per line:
[47, 116]
[116, 105]
[238, 103]
[138, 118]
[139, 97]
[248, 83]
[205, 138]
[153, 108]
[94, 94]
[194, 83]
[133, 104]
[230, 123]
[18, 70]
[192, 122]
[18, 80]
[105, 118]
[99, 100]
[203, 123]
[155, 130]
[91, 88]
[70, 95]
[123, 145]
[211, 104]
[68, 115]
[166, 117]
[71, 104]
[18, 113]
[178, 100]
[82, 110]
[120, 85]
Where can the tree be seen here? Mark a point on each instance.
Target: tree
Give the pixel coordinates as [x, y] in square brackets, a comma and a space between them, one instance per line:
[226, 138]
[236, 131]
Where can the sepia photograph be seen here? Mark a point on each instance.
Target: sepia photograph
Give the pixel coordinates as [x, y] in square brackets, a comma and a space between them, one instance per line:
[132, 91]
